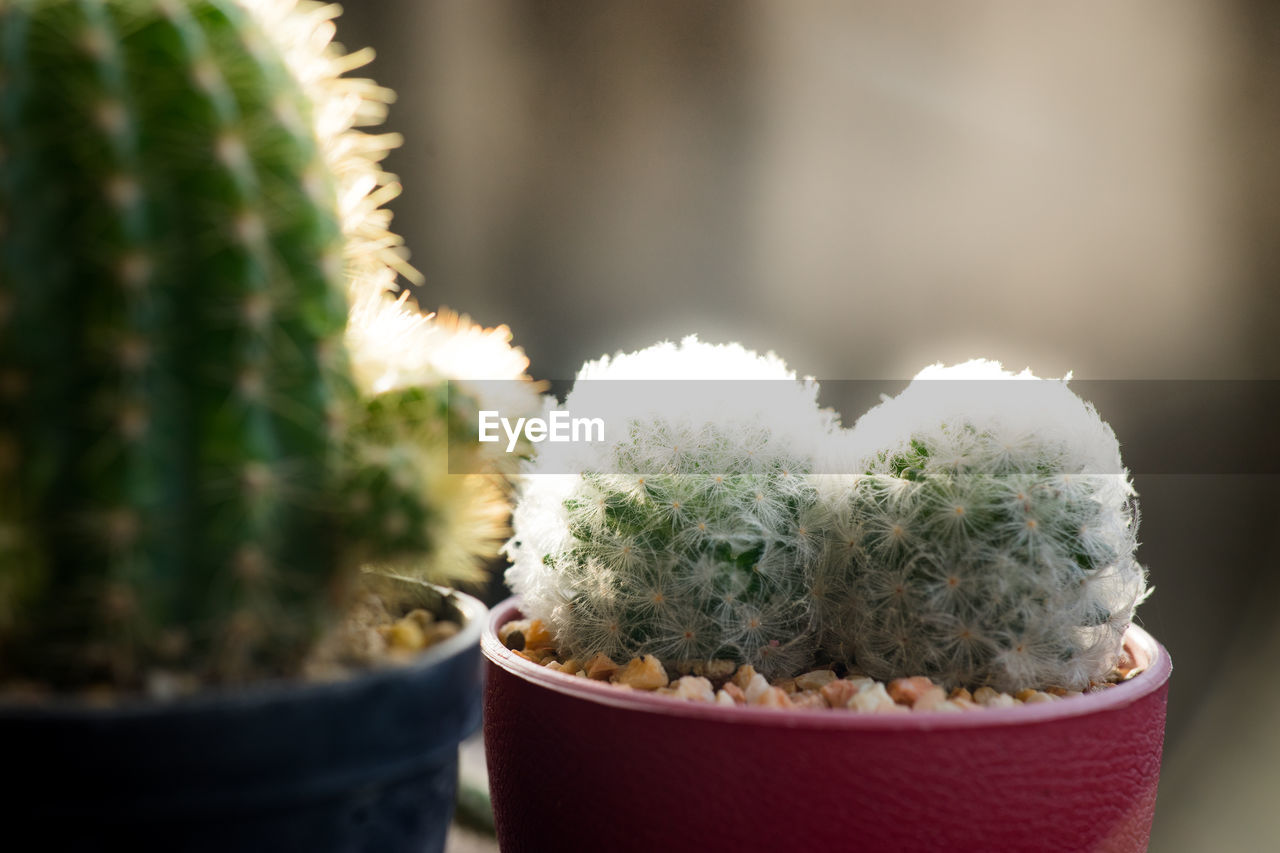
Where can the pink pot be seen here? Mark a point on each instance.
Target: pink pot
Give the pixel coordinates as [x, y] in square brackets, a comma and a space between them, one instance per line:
[577, 765]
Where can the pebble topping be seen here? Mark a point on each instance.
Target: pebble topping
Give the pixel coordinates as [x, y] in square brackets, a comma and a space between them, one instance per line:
[721, 682]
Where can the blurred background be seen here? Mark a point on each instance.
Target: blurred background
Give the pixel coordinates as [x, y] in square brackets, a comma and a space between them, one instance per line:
[865, 188]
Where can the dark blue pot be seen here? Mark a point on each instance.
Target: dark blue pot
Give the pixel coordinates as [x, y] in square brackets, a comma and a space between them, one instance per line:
[369, 763]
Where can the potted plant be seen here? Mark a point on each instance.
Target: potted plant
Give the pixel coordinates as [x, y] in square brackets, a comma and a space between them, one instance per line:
[876, 737]
[202, 458]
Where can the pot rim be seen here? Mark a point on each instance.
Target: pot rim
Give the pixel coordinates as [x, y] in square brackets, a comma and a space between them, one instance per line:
[1126, 693]
[263, 692]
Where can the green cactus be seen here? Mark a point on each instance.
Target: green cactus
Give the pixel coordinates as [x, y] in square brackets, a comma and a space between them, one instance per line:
[692, 532]
[189, 472]
[991, 540]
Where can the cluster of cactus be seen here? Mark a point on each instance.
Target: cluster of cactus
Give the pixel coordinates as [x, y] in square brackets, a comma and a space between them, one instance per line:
[980, 533]
[193, 470]
[694, 531]
[991, 537]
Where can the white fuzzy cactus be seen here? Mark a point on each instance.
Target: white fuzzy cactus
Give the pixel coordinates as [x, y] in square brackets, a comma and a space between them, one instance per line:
[991, 540]
[693, 531]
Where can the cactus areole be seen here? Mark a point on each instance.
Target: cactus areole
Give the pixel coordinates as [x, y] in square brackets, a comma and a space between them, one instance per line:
[189, 474]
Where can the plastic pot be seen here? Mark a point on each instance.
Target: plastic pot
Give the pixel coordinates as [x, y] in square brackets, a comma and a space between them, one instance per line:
[365, 763]
[579, 765]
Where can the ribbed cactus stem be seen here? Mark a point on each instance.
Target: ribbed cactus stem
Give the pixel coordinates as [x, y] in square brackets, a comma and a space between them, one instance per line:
[181, 439]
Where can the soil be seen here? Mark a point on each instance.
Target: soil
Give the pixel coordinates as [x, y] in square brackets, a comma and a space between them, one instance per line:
[724, 682]
[389, 625]
[377, 633]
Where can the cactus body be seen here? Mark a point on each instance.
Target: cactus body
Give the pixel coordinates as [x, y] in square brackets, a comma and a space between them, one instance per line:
[188, 470]
[692, 534]
[991, 540]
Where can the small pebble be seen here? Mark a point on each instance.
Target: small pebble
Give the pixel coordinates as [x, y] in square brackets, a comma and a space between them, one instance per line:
[99, 695]
[815, 680]
[694, 688]
[164, 686]
[872, 698]
[424, 618]
[600, 668]
[743, 676]
[808, 699]
[908, 691]
[540, 656]
[989, 697]
[932, 699]
[717, 671]
[538, 636]
[723, 698]
[441, 631]
[405, 635]
[526, 635]
[734, 692]
[838, 693]
[771, 697]
[757, 685]
[644, 673]
[511, 634]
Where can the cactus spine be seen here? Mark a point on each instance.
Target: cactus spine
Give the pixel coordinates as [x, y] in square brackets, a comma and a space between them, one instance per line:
[692, 534]
[991, 540]
[188, 470]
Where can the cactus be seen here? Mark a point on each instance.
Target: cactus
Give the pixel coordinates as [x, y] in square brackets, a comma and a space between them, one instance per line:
[190, 473]
[991, 539]
[439, 370]
[692, 532]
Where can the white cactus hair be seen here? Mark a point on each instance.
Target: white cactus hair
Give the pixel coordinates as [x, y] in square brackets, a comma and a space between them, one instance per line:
[990, 539]
[689, 532]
